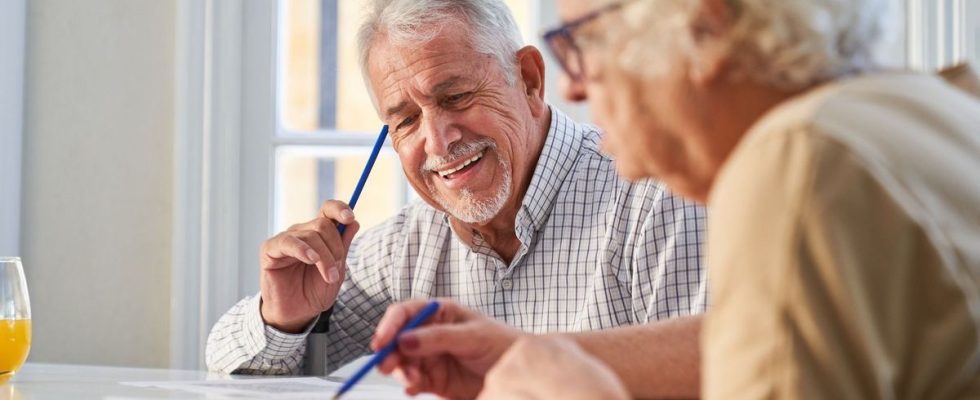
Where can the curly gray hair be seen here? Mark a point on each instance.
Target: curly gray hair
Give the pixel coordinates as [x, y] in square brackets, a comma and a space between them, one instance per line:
[415, 22]
[785, 43]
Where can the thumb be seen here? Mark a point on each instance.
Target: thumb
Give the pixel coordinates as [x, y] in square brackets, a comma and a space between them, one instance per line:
[349, 231]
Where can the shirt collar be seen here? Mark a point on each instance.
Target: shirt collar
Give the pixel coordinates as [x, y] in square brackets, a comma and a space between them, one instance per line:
[558, 157]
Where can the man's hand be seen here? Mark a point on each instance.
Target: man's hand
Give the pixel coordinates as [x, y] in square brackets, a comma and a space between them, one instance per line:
[303, 267]
[551, 367]
[449, 355]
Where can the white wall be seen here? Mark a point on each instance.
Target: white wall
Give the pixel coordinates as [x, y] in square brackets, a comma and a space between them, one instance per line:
[97, 209]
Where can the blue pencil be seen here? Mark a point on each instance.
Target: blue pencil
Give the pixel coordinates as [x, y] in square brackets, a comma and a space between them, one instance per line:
[378, 357]
[365, 173]
[321, 325]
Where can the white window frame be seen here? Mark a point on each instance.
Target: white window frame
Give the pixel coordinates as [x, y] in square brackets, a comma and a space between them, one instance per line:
[939, 32]
[221, 201]
[13, 23]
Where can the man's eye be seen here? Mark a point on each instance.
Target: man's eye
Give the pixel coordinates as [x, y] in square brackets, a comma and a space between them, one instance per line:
[407, 121]
[456, 98]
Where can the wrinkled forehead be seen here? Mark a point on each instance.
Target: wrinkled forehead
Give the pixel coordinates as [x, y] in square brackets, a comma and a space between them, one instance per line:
[397, 68]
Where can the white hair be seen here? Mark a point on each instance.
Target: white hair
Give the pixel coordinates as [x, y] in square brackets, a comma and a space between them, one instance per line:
[415, 22]
[789, 44]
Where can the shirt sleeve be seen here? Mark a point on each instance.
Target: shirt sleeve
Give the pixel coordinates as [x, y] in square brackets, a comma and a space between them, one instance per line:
[240, 342]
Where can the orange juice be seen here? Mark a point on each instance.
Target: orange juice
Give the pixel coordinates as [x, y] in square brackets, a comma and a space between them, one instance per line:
[15, 342]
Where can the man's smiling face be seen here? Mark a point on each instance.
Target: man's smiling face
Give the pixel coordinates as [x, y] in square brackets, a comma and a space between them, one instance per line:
[459, 126]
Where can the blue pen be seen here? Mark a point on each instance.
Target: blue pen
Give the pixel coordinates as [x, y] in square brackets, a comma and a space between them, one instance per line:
[365, 173]
[378, 357]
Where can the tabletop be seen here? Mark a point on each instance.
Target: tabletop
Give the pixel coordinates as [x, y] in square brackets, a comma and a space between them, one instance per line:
[36, 381]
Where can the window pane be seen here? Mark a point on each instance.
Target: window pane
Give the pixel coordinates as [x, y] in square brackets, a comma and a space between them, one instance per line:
[320, 77]
[306, 176]
[322, 88]
[300, 77]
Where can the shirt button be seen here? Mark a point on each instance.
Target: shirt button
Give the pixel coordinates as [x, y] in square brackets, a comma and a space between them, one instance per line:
[507, 284]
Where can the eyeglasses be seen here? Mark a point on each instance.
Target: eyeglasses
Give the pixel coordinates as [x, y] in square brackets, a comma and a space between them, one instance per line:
[561, 42]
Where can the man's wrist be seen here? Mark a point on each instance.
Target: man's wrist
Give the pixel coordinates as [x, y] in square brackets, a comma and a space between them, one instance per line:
[290, 327]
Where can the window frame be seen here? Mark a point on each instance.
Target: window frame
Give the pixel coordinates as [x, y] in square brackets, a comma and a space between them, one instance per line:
[222, 88]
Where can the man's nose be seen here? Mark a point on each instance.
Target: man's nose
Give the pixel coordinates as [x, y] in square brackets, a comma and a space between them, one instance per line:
[572, 89]
[440, 134]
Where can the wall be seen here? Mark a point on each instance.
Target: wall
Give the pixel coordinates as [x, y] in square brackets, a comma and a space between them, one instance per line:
[97, 210]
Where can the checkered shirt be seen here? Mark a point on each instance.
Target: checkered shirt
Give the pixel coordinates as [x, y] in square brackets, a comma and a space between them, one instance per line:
[596, 252]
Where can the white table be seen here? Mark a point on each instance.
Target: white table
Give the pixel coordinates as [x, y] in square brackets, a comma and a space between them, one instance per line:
[62, 381]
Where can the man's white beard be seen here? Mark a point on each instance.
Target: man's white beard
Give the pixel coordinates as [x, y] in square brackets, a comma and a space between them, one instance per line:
[468, 208]
[472, 210]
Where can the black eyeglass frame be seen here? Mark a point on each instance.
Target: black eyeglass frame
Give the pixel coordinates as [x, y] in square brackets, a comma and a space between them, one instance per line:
[561, 42]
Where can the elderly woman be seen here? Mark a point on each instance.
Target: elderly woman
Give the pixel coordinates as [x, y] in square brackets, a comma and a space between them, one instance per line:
[845, 208]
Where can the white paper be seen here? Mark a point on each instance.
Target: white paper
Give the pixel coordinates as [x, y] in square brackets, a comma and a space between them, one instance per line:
[280, 388]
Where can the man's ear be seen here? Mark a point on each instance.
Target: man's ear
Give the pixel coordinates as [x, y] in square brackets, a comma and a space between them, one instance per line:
[531, 74]
[710, 30]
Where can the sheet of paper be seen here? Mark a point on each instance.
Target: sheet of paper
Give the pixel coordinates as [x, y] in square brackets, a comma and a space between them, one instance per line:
[280, 388]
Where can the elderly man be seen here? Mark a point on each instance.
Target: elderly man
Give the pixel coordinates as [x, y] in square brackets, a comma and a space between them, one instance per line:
[523, 218]
[844, 228]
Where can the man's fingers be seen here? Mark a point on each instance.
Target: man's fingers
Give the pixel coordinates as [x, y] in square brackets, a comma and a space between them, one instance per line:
[309, 248]
[289, 246]
[328, 232]
[349, 233]
[326, 266]
[337, 211]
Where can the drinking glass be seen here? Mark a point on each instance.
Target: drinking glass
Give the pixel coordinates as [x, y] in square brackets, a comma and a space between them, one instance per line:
[15, 317]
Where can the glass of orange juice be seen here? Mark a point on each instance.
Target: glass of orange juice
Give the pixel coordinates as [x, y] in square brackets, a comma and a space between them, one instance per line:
[15, 317]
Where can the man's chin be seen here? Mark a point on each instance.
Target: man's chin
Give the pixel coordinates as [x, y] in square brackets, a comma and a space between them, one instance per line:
[471, 215]
[473, 211]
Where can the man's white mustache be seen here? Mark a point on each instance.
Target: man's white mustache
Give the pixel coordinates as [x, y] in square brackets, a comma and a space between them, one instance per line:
[457, 152]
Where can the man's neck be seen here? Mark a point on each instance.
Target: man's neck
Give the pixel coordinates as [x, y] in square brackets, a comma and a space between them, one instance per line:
[498, 233]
